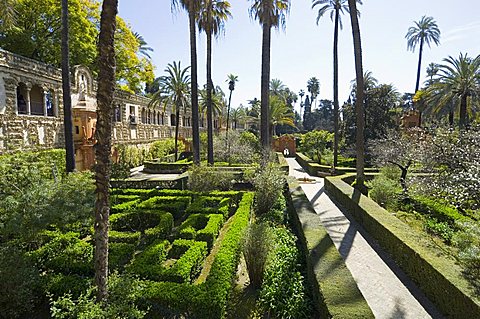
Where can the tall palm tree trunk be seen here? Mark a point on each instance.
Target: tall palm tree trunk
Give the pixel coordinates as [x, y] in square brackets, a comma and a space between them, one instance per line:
[194, 89]
[209, 100]
[67, 98]
[228, 120]
[360, 139]
[463, 111]
[177, 125]
[105, 91]
[335, 90]
[265, 81]
[419, 68]
[417, 83]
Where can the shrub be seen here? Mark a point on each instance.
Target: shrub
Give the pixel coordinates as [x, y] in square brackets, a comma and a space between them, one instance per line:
[66, 253]
[210, 204]
[211, 230]
[124, 291]
[283, 293]
[256, 245]
[205, 179]
[173, 204]
[19, 283]
[438, 209]
[188, 266]
[125, 206]
[386, 192]
[467, 240]
[119, 254]
[123, 237]
[148, 264]
[441, 229]
[137, 220]
[277, 214]
[268, 184]
[58, 284]
[162, 230]
[188, 229]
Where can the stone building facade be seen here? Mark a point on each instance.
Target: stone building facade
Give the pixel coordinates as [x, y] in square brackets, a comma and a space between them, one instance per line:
[31, 109]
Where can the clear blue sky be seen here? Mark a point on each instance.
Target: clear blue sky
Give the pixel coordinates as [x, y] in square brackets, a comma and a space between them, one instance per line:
[305, 49]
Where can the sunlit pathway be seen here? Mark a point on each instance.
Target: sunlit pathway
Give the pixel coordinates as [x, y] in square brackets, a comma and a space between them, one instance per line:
[381, 282]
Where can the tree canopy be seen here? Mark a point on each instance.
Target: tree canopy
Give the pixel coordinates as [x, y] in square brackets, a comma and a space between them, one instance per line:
[37, 33]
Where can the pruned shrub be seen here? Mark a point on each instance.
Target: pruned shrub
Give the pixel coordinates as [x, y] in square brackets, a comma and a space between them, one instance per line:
[467, 240]
[256, 245]
[268, 183]
[385, 191]
[205, 179]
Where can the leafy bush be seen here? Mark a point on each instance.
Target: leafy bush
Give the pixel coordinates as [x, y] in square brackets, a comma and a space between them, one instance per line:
[268, 184]
[438, 209]
[20, 283]
[256, 245]
[205, 179]
[124, 291]
[25, 212]
[314, 144]
[385, 191]
[239, 149]
[148, 264]
[442, 229]
[467, 240]
[210, 204]
[188, 229]
[283, 290]
[123, 237]
[139, 220]
[119, 254]
[66, 253]
[211, 230]
[58, 284]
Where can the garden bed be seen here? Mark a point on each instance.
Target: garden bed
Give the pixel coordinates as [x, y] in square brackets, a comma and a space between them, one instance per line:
[164, 238]
[315, 169]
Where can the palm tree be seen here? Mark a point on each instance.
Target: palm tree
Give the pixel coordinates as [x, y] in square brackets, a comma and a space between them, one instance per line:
[193, 7]
[458, 82]
[313, 86]
[103, 148]
[7, 13]
[143, 47]
[67, 98]
[432, 70]
[175, 92]
[217, 99]
[238, 114]
[425, 31]
[213, 14]
[336, 8]
[360, 142]
[269, 13]
[231, 80]
[277, 87]
[280, 114]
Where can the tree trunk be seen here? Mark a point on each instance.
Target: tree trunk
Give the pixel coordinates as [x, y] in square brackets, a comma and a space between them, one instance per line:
[419, 68]
[228, 120]
[177, 125]
[209, 100]
[105, 91]
[194, 88]
[335, 90]
[67, 98]
[265, 83]
[463, 111]
[360, 139]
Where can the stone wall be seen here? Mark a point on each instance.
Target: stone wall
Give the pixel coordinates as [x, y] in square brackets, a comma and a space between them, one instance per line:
[31, 107]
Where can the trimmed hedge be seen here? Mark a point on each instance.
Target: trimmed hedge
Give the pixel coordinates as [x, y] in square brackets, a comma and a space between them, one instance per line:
[60, 284]
[165, 168]
[206, 300]
[148, 264]
[125, 206]
[141, 220]
[173, 204]
[440, 278]
[188, 229]
[333, 288]
[123, 237]
[439, 210]
[119, 254]
[210, 205]
[211, 230]
[315, 169]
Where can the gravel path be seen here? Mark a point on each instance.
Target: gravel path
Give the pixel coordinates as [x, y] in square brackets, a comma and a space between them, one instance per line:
[388, 291]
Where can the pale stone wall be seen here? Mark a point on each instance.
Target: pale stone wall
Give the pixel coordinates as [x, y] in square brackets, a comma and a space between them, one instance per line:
[20, 130]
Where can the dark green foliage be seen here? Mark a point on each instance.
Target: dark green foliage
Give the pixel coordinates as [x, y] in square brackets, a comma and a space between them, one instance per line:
[283, 288]
[173, 204]
[19, 283]
[58, 284]
[162, 230]
[119, 254]
[124, 206]
[438, 209]
[210, 204]
[66, 253]
[42, 203]
[211, 230]
[188, 266]
[385, 191]
[276, 215]
[123, 237]
[188, 229]
[139, 220]
[124, 293]
[148, 264]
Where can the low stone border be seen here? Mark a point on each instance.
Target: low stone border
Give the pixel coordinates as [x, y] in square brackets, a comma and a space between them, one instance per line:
[438, 277]
[315, 169]
[334, 290]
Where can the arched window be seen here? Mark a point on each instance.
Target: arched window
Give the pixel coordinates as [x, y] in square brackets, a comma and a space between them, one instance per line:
[172, 120]
[117, 113]
[36, 100]
[49, 100]
[144, 116]
[22, 99]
